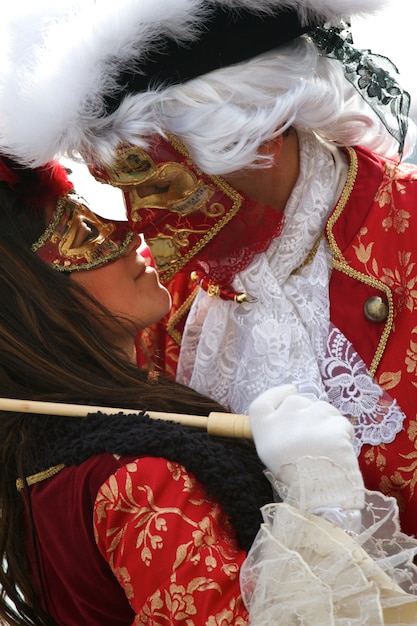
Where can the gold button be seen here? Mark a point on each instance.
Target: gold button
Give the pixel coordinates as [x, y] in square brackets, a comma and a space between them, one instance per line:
[376, 309]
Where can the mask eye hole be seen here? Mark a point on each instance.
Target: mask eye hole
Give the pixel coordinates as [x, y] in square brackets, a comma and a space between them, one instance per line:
[159, 189]
[86, 232]
[92, 231]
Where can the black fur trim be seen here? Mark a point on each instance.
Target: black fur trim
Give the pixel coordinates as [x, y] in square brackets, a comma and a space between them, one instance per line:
[230, 470]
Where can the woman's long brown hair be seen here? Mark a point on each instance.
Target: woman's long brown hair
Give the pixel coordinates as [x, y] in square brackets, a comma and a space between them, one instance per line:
[51, 348]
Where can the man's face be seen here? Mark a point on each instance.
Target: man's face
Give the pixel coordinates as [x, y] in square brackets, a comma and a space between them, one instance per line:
[177, 207]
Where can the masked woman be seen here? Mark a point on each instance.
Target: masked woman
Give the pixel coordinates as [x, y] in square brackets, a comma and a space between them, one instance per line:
[120, 519]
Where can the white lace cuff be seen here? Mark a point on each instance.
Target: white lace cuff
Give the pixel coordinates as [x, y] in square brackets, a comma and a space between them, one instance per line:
[304, 570]
[318, 482]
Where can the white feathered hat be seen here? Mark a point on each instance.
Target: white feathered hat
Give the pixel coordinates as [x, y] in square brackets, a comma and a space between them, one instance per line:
[66, 65]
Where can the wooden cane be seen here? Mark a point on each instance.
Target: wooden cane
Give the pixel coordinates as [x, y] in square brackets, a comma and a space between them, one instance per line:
[217, 424]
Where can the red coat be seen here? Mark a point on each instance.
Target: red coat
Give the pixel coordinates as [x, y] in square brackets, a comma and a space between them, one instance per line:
[372, 232]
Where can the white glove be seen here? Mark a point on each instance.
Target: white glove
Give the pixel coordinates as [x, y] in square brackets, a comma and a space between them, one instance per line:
[288, 427]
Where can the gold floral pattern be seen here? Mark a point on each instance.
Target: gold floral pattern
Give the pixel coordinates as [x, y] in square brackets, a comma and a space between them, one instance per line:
[227, 617]
[389, 380]
[411, 356]
[407, 474]
[397, 218]
[402, 280]
[363, 252]
[170, 546]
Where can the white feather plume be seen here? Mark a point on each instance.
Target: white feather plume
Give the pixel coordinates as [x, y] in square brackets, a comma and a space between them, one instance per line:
[60, 56]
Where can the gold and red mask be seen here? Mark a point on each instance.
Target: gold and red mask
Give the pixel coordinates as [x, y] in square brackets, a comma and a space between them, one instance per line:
[184, 213]
[78, 239]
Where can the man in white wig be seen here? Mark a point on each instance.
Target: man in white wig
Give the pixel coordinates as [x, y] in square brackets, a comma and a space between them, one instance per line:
[259, 153]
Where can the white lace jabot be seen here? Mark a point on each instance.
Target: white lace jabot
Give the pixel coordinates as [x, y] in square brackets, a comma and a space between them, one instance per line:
[234, 352]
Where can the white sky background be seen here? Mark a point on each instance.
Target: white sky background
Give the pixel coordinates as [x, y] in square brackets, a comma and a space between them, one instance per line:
[391, 33]
[102, 199]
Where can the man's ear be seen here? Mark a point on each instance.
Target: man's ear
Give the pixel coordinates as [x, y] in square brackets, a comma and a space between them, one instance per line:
[272, 147]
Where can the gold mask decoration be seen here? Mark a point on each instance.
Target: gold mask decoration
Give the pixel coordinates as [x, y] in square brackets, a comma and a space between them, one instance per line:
[178, 208]
[170, 186]
[78, 239]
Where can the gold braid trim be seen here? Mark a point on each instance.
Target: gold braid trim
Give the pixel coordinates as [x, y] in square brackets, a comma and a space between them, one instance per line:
[234, 195]
[340, 263]
[183, 310]
[50, 229]
[39, 477]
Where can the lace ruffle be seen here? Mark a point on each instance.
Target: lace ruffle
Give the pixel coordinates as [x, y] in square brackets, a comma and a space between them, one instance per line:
[377, 418]
[304, 569]
[234, 352]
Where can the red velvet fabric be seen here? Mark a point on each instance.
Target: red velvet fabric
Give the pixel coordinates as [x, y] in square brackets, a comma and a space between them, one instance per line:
[80, 586]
